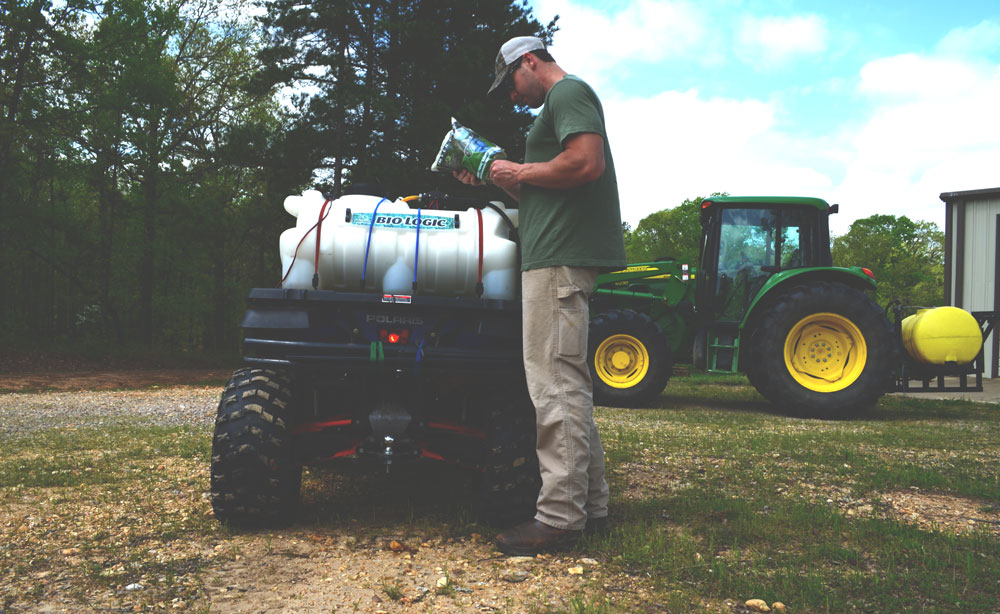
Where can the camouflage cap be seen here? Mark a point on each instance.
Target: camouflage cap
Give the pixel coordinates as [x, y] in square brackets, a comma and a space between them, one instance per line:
[510, 52]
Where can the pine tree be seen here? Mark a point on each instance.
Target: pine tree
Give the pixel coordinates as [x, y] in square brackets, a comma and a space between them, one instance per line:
[378, 82]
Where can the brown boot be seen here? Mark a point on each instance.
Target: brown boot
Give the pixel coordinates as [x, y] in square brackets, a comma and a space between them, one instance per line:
[598, 526]
[530, 538]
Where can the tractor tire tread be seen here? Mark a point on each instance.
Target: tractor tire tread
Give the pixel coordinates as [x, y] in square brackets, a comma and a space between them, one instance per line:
[766, 364]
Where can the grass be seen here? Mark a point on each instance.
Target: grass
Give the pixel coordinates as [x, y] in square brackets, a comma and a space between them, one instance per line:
[740, 501]
[96, 510]
[392, 589]
[716, 498]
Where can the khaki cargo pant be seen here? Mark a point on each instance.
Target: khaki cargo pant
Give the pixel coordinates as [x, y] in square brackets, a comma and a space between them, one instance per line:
[555, 361]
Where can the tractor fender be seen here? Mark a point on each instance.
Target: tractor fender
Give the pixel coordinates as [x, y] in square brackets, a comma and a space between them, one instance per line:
[854, 277]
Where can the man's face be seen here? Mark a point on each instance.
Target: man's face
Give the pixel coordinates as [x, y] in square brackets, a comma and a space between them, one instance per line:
[526, 89]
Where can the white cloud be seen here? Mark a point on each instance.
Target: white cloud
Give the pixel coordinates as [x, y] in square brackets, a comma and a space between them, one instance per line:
[912, 75]
[678, 145]
[933, 128]
[911, 141]
[767, 42]
[919, 123]
[975, 41]
[594, 44]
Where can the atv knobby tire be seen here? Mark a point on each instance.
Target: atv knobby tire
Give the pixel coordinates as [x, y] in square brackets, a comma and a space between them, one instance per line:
[630, 359]
[823, 349]
[511, 479]
[254, 480]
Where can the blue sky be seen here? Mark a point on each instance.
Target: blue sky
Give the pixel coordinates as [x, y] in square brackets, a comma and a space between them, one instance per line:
[878, 106]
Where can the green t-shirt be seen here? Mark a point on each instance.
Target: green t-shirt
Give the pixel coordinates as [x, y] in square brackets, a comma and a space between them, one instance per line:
[579, 227]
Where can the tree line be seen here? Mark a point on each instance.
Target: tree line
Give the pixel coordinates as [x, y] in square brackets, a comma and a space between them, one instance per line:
[146, 147]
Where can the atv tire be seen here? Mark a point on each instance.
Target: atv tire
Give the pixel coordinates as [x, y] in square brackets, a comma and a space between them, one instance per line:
[511, 478]
[254, 480]
[629, 357]
[823, 349]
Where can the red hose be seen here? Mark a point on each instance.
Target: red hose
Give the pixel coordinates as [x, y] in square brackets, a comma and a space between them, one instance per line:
[319, 232]
[479, 281]
[295, 254]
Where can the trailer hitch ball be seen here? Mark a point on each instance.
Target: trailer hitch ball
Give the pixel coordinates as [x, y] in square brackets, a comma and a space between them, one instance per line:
[389, 421]
[388, 440]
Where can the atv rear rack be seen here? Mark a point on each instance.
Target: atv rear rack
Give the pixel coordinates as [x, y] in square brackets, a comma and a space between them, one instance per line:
[321, 328]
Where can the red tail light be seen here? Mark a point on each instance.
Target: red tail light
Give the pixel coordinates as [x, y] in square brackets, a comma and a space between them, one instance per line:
[868, 272]
[386, 335]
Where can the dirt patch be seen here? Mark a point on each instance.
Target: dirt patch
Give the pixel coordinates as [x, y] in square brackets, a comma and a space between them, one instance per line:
[22, 371]
[306, 573]
[108, 379]
[936, 512]
[156, 547]
[644, 480]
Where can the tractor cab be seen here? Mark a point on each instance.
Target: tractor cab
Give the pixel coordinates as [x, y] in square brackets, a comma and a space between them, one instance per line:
[745, 242]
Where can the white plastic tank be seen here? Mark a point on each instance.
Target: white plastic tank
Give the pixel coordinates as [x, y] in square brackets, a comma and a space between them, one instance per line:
[447, 265]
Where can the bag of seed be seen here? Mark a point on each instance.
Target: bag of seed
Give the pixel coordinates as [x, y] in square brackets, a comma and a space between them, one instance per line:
[463, 148]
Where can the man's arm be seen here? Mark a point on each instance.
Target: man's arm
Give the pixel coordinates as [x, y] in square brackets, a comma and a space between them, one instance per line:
[581, 161]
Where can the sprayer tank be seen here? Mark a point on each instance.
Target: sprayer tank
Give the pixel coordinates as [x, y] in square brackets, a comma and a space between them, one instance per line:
[384, 251]
[942, 335]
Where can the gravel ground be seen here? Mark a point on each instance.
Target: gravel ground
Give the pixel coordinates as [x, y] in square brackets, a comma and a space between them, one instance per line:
[79, 554]
[22, 414]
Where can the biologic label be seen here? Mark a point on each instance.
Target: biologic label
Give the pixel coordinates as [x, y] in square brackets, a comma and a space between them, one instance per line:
[404, 220]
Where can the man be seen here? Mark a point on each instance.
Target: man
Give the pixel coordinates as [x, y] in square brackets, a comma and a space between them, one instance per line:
[570, 228]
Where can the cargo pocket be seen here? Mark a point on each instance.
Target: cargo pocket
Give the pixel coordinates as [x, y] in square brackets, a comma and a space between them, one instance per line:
[572, 322]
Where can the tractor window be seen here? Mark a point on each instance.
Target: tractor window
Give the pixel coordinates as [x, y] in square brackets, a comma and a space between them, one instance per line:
[796, 239]
[747, 245]
[747, 238]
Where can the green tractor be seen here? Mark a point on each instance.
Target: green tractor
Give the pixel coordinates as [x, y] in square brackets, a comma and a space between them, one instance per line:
[764, 300]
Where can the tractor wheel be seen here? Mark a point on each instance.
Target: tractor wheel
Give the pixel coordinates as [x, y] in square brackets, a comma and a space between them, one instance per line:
[823, 349]
[750, 362]
[255, 481]
[630, 359]
[511, 478]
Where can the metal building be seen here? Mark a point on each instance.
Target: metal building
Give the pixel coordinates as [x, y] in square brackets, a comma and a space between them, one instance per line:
[972, 258]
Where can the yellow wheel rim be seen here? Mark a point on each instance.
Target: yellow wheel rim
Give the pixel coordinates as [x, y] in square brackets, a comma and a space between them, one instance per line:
[825, 352]
[621, 361]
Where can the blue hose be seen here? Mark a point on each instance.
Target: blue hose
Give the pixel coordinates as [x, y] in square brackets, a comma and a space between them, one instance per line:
[371, 225]
[416, 256]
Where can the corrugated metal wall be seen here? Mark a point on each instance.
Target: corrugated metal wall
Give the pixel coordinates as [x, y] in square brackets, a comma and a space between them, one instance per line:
[979, 260]
[980, 254]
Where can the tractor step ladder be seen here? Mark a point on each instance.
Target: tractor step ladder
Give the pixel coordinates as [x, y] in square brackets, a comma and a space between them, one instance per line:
[723, 347]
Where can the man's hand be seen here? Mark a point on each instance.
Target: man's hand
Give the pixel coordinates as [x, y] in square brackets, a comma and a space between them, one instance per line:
[581, 161]
[466, 177]
[511, 188]
[504, 173]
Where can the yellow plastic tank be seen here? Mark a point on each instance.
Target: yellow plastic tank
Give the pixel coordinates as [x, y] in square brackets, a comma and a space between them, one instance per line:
[941, 335]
